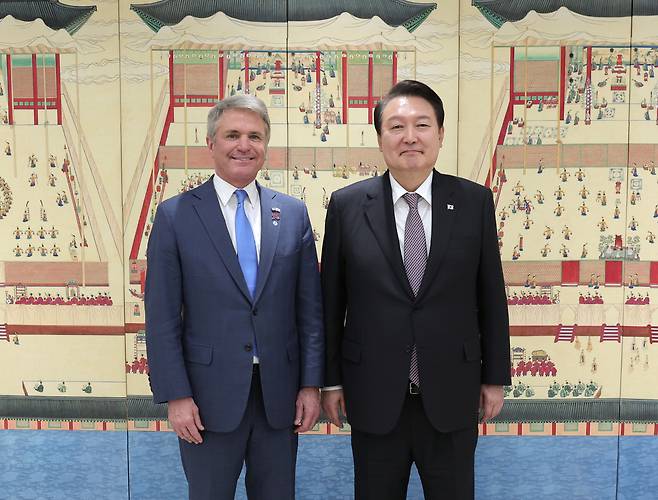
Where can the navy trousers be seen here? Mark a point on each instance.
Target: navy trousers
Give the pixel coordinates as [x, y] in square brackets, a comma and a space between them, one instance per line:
[213, 467]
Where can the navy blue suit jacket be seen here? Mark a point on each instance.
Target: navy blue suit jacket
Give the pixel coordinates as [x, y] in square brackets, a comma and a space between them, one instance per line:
[201, 320]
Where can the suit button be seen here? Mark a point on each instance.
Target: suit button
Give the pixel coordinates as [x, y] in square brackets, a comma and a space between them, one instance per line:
[247, 347]
[255, 312]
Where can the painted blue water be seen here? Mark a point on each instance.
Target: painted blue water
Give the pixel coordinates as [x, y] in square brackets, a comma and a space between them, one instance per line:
[63, 465]
[51, 465]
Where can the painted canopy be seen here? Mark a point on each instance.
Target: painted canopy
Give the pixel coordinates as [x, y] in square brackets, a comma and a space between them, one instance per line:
[344, 32]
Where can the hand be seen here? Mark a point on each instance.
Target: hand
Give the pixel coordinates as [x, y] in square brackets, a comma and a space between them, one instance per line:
[308, 408]
[184, 418]
[333, 404]
[491, 401]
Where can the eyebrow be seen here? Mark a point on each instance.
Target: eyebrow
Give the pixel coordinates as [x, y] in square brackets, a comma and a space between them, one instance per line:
[251, 132]
[420, 117]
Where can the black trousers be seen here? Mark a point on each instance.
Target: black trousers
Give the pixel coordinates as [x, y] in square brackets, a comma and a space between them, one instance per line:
[445, 461]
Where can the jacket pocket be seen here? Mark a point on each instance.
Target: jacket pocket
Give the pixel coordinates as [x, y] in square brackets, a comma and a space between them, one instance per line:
[351, 351]
[472, 350]
[197, 353]
[293, 349]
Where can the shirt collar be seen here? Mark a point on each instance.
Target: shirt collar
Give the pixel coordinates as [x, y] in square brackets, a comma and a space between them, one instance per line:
[225, 190]
[424, 190]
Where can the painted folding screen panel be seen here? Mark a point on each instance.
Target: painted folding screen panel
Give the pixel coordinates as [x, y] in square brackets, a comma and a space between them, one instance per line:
[61, 319]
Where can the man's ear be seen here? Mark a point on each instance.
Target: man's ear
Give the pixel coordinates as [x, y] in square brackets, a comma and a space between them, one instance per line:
[441, 135]
[210, 143]
[379, 141]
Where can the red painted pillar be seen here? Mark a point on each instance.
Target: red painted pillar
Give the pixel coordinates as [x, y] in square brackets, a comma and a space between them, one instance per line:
[246, 72]
[10, 92]
[484, 428]
[318, 73]
[519, 429]
[394, 69]
[344, 84]
[589, 64]
[58, 96]
[35, 89]
[588, 429]
[563, 78]
[221, 75]
[370, 79]
[172, 98]
[553, 428]
[511, 76]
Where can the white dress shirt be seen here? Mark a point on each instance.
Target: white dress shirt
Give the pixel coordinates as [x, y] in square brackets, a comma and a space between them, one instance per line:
[401, 209]
[228, 202]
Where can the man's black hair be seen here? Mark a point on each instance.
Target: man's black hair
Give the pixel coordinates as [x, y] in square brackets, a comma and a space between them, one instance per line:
[409, 88]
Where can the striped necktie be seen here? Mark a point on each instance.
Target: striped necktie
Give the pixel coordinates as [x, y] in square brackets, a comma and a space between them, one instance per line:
[415, 260]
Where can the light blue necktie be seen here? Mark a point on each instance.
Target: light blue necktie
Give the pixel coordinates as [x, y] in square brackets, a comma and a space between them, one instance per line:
[245, 243]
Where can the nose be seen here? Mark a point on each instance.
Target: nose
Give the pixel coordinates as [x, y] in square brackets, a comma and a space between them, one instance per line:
[243, 142]
[409, 136]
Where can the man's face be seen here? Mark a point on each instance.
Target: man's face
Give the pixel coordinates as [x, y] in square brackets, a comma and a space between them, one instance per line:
[239, 146]
[410, 136]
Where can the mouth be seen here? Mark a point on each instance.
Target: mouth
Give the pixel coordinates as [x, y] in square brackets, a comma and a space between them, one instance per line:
[242, 158]
[411, 151]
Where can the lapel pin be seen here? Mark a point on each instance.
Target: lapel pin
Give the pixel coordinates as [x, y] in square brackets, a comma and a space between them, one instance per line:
[450, 206]
[276, 216]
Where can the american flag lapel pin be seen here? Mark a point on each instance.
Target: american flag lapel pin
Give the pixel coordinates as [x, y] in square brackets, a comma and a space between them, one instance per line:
[276, 216]
[450, 206]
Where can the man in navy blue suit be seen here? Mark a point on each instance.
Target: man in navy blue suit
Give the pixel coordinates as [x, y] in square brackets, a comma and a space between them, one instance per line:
[234, 316]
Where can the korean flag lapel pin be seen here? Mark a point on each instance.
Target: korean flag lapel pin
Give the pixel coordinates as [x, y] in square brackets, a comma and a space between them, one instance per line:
[450, 206]
[276, 216]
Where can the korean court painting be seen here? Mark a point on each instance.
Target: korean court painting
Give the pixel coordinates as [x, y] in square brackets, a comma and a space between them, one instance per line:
[103, 115]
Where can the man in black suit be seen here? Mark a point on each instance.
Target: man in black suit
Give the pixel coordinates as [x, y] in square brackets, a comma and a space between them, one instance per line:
[417, 333]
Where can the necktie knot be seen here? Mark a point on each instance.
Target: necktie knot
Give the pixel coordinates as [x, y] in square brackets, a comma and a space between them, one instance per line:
[412, 200]
[241, 195]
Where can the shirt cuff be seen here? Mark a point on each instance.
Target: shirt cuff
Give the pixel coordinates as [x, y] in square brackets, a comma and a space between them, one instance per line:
[333, 388]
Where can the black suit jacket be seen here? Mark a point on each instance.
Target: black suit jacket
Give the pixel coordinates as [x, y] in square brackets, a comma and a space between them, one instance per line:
[458, 320]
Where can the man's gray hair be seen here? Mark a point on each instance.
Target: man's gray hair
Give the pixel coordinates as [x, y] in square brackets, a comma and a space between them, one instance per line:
[248, 102]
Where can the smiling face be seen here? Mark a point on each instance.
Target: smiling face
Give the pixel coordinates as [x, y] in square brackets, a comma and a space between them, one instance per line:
[410, 136]
[239, 146]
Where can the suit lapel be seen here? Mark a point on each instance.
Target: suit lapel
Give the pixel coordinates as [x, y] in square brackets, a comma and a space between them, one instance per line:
[269, 236]
[378, 209]
[208, 209]
[444, 212]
